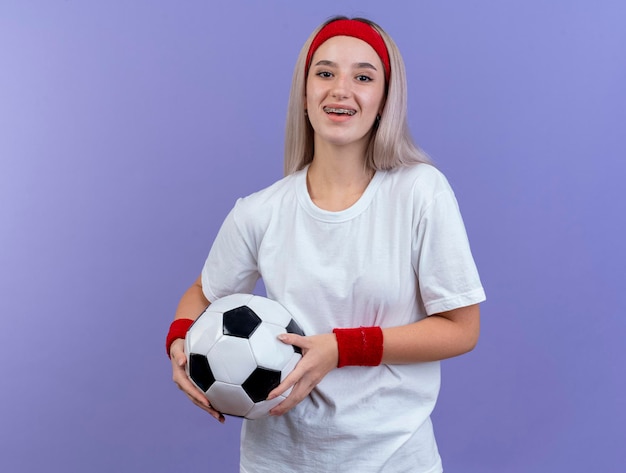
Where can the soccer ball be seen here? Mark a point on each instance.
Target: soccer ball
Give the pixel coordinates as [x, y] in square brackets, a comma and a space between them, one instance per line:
[234, 357]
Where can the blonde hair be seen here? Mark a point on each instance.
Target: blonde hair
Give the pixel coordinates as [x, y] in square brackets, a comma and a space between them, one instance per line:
[391, 144]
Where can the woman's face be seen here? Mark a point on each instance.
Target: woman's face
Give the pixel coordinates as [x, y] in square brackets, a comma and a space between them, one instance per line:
[345, 91]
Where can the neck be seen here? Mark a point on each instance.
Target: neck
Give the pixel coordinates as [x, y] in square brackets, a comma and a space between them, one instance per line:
[340, 164]
[337, 178]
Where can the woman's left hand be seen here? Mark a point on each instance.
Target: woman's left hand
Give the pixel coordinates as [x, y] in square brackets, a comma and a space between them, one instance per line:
[320, 355]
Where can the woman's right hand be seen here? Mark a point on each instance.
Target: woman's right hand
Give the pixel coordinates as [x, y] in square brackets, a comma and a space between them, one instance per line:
[179, 360]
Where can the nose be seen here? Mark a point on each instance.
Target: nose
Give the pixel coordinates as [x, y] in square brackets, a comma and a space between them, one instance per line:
[341, 87]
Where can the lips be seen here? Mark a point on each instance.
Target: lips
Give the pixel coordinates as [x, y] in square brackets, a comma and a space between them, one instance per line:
[340, 111]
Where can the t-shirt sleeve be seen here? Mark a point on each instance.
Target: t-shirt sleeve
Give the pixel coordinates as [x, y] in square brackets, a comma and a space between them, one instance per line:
[445, 268]
[231, 266]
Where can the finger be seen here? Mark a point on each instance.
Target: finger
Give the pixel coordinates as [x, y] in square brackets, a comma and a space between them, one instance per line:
[197, 397]
[191, 390]
[298, 393]
[179, 358]
[177, 353]
[292, 339]
[282, 408]
[291, 379]
[214, 413]
[184, 384]
[204, 406]
[295, 375]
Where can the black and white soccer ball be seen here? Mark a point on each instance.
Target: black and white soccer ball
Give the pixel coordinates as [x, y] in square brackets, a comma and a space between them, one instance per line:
[234, 357]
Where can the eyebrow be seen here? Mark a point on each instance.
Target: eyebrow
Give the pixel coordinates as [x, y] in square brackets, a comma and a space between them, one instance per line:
[356, 65]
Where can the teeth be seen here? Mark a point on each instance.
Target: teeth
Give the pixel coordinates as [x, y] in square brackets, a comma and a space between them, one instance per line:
[339, 110]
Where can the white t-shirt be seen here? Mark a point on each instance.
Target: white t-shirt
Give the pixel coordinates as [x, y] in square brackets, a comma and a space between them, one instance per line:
[399, 254]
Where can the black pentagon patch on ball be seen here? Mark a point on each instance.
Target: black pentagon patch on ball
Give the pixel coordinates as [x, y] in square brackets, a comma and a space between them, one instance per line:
[260, 383]
[293, 327]
[200, 371]
[240, 322]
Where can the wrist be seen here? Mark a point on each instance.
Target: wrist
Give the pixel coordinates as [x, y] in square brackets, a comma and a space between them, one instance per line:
[178, 329]
[362, 346]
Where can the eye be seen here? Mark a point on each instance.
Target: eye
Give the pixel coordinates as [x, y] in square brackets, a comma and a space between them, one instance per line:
[363, 78]
[324, 74]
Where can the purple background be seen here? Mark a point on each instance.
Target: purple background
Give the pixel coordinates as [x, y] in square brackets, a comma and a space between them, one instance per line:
[128, 129]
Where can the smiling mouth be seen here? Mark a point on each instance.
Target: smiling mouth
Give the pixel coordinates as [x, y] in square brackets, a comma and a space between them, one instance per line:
[339, 111]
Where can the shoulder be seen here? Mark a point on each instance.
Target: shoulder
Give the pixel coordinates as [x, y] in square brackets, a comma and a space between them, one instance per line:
[260, 205]
[424, 182]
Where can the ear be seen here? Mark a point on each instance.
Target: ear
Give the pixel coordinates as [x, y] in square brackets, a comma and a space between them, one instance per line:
[382, 105]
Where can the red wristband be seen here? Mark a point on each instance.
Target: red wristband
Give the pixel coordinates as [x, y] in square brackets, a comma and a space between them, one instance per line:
[178, 329]
[361, 346]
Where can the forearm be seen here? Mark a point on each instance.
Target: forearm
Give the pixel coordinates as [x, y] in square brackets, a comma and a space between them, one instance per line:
[192, 303]
[434, 338]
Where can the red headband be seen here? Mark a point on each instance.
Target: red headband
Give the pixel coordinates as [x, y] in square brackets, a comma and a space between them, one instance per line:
[356, 29]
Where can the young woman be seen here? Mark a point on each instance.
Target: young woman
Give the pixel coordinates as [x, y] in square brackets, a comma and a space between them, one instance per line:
[363, 243]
